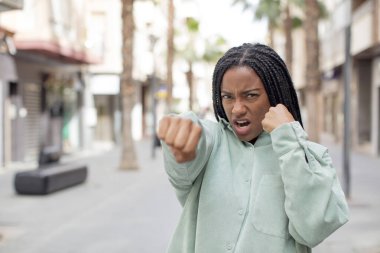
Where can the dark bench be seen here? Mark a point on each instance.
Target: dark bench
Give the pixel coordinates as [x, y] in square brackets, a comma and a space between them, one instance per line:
[49, 154]
[50, 178]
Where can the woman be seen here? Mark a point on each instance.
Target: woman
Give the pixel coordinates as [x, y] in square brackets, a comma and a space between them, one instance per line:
[251, 182]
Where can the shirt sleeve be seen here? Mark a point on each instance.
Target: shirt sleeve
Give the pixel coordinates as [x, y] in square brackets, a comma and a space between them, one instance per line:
[314, 201]
[183, 175]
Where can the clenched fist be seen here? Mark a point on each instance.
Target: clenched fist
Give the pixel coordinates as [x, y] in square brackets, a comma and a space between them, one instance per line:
[181, 135]
[275, 117]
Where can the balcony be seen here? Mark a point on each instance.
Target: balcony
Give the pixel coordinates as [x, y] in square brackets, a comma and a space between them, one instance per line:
[8, 5]
[364, 27]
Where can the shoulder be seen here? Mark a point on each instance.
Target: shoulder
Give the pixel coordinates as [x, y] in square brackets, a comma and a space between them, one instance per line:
[204, 123]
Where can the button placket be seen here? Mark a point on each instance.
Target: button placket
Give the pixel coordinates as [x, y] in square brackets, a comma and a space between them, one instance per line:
[229, 246]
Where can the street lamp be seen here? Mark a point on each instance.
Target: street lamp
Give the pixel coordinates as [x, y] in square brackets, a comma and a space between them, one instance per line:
[152, 40]
[347, 104]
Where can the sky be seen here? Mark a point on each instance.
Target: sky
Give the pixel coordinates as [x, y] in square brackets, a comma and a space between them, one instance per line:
[220, 17]
[216, 17]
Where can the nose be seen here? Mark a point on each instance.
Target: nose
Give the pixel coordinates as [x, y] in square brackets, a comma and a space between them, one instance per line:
[238, 108]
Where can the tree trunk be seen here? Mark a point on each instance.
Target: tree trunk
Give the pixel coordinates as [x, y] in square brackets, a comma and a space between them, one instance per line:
[170, 55]
[288, 39]
[271, 34]
[128, 156]
[189, 77]
[312, 68]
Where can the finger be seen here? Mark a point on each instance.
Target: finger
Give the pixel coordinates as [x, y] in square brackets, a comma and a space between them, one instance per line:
[183, 133]
[163, 127]
[268, 115]
[282, 108]
[192, 141]
[179, 156]
[172, 130]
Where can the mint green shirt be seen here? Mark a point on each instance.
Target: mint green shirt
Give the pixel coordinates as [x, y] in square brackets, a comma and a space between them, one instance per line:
[280, 195]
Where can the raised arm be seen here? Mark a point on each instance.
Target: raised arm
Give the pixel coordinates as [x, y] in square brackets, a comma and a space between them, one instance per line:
[187, 144]
[314, 201]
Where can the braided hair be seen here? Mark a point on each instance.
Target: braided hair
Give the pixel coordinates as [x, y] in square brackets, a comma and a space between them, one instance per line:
[268, 66]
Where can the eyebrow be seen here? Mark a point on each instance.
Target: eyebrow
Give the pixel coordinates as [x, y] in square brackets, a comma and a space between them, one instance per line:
[246, 91]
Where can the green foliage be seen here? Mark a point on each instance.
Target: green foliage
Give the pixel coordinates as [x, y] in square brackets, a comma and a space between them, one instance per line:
[296, 22]
[323, 12]
[272, 10]
[192, 25]
[214, 49]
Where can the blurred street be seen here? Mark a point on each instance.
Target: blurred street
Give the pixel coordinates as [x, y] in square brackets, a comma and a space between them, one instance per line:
[362, 233]
[114, 211]
[79, 79]
[136, 211]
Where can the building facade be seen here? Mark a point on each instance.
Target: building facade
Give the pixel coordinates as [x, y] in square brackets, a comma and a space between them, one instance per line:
[44, 103]
[365, 80]
[365, 88]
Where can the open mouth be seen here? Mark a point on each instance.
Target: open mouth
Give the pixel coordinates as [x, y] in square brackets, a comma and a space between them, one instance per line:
[241, 123]
[242, 127]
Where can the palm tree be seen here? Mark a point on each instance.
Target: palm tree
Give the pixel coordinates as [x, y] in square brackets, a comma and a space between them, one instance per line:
[170, 55]
[128, 156]
[190, 55]
[269, 9]
[272, 10]
[312, 13]
[213, 51]
[314, 9]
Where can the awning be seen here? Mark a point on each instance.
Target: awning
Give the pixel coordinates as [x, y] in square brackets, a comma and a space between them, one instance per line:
[58, 52]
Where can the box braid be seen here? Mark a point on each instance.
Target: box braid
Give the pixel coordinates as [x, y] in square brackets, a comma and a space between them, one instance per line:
[269, 67]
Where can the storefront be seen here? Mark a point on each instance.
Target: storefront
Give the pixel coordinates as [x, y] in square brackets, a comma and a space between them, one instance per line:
[8, 81]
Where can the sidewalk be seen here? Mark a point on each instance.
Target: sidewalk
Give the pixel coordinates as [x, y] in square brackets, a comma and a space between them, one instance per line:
[114, 211]
[362, 233]
[136, 211]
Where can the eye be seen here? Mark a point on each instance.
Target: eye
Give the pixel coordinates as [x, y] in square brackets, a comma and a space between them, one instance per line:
[226, 96]
[252, 95]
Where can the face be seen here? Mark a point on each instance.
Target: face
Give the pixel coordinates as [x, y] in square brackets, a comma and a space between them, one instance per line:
[245, 101]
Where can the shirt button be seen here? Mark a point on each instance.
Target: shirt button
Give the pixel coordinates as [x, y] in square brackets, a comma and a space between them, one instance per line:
[247, 180]
[229, 246]
[241, 212]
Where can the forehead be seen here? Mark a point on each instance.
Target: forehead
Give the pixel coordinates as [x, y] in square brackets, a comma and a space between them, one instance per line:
[241, 77]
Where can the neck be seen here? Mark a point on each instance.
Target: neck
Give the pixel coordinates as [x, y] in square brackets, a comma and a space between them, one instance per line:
[253, 141]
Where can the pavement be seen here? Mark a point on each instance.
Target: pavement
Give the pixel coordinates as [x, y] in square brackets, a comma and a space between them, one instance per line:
[362, 233]
[114, 211]
[136, 211]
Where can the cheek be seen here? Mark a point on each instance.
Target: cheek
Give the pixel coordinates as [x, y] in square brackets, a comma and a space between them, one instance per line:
[227, 109]
[259, 112]
[262, 109]
[262, 112]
